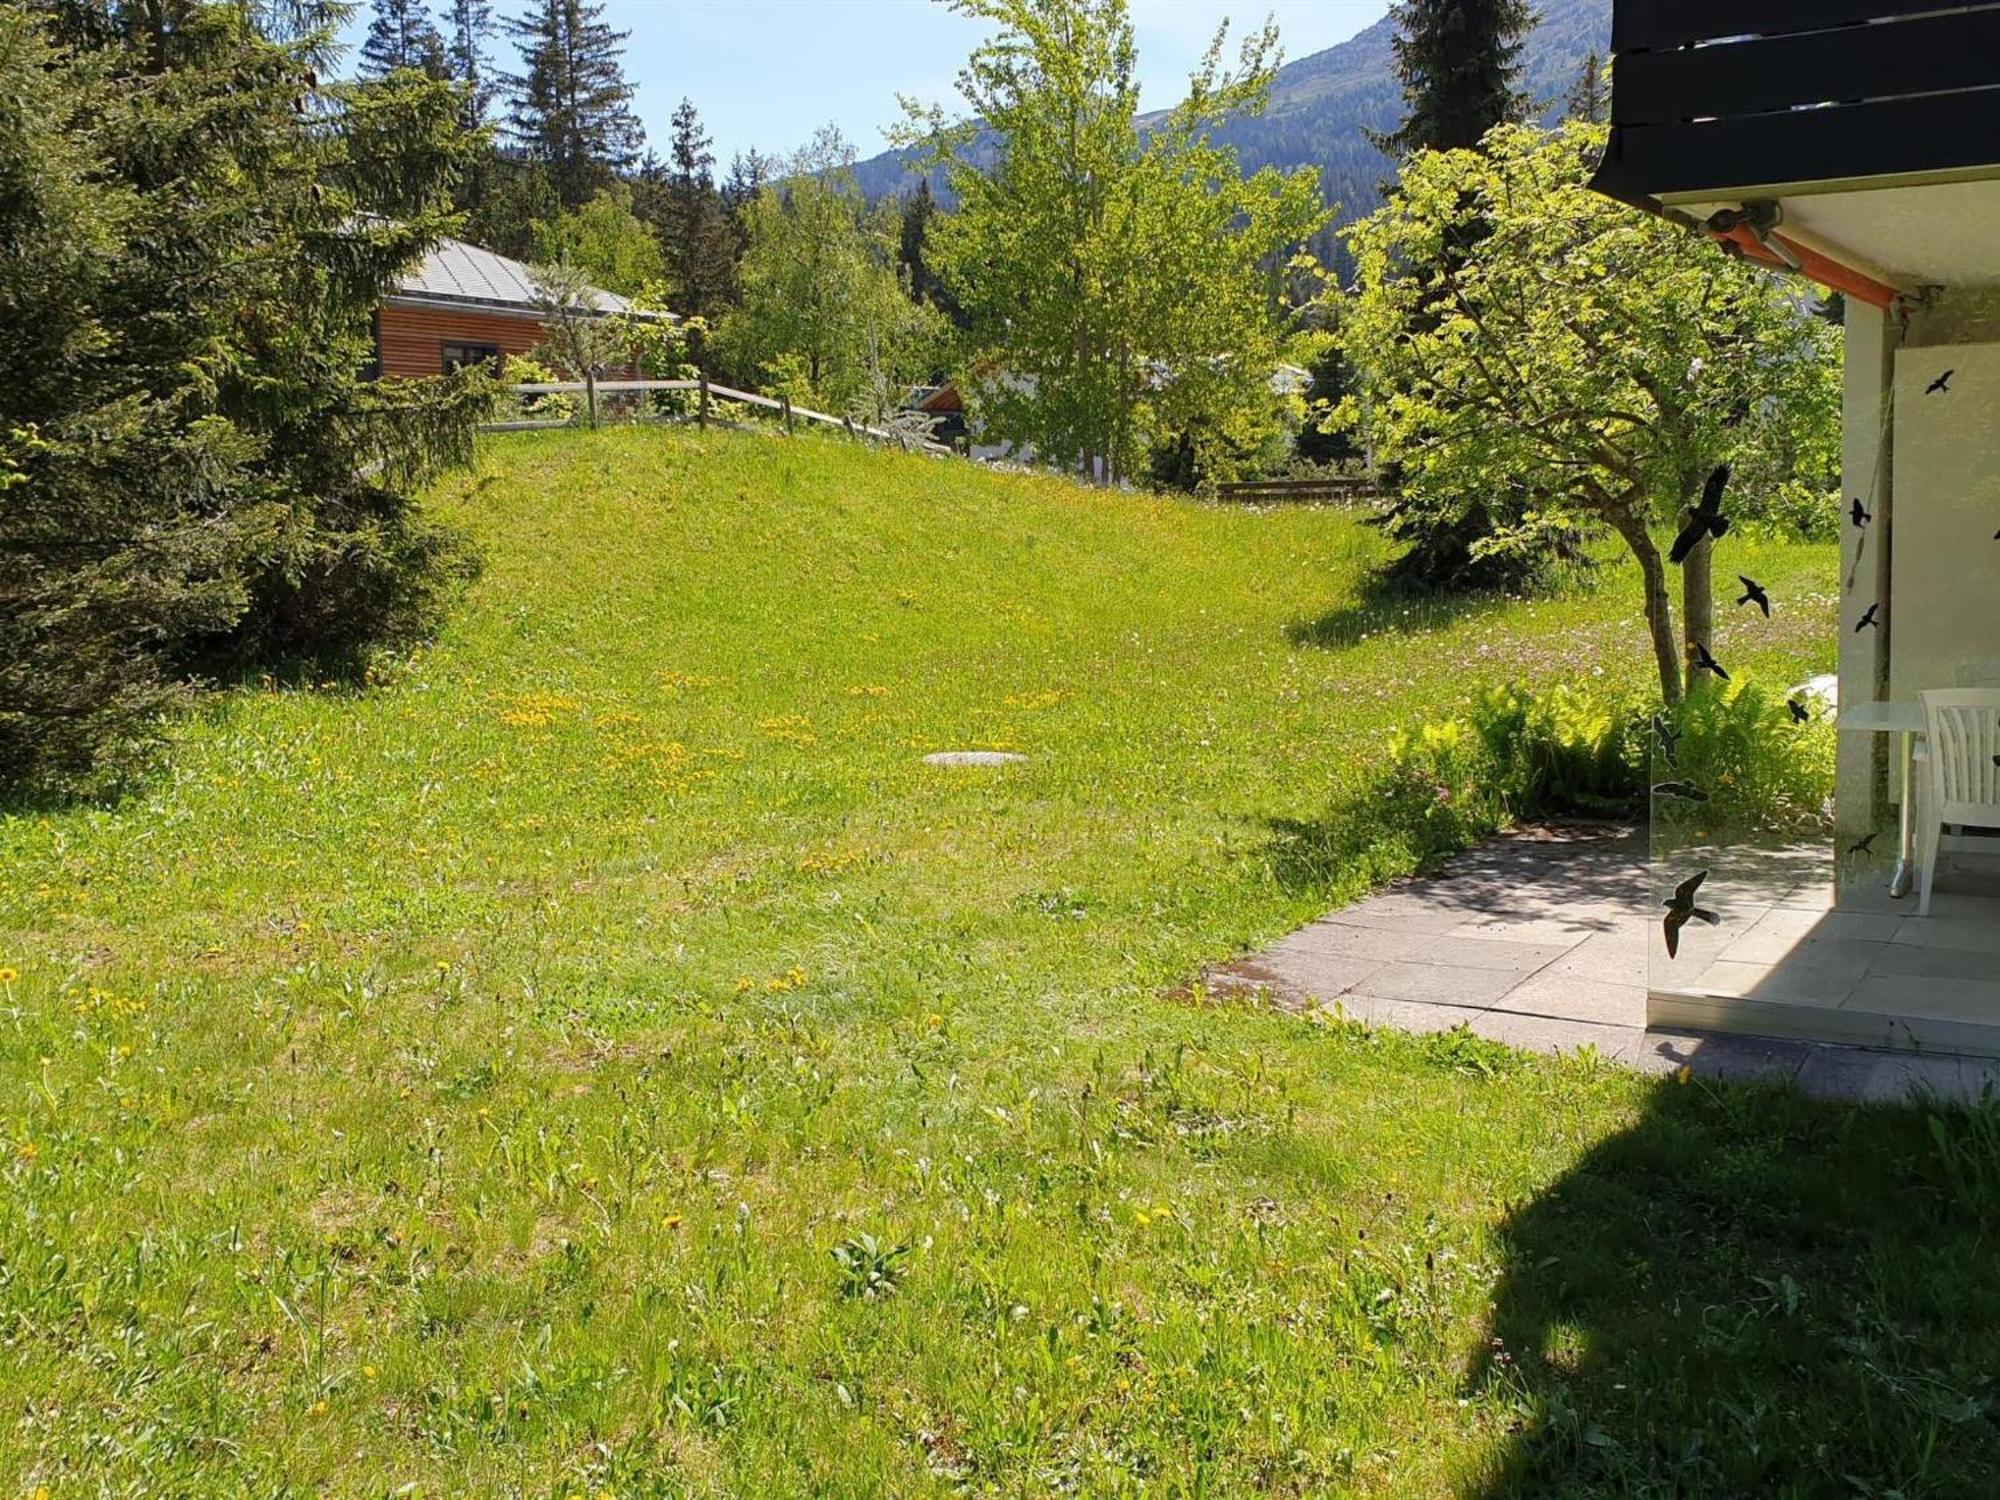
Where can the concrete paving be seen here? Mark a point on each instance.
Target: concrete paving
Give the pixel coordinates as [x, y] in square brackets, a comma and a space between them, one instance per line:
[1540, 940]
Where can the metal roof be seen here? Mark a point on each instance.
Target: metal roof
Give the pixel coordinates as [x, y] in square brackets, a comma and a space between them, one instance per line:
[459, 274]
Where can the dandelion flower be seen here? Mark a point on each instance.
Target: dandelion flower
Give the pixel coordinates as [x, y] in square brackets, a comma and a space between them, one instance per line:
[9, 975]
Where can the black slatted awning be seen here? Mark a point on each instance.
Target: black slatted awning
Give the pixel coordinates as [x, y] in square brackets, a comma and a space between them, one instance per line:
[1713, 98]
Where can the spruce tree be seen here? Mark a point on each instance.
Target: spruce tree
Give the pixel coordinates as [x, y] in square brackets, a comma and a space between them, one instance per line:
[402, 35]
[920, 277]
[194, 478]
[1588, 98]
[570, 106]
[471, 29]
[694, 233]
[1459, 62]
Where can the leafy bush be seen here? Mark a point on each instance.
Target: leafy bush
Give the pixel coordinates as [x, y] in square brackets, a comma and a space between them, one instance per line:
[1759, 769]
[525, 369]
[1518, 752]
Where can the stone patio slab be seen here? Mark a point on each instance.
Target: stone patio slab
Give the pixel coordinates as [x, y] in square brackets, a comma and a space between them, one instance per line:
[1543, 941]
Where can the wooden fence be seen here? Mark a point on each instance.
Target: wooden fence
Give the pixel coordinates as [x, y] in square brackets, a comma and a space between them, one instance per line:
[707, 393]
[1331, 489]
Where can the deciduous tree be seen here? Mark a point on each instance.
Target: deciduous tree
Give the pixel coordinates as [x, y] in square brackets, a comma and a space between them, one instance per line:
[820, 305]
[1581, 361]
[603, 240]
[1119, 288]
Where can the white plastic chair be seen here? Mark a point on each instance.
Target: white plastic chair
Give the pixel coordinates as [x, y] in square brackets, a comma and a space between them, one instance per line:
[1964, 780]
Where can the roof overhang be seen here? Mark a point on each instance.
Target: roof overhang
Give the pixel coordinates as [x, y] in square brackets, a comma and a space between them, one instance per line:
[1856, 141]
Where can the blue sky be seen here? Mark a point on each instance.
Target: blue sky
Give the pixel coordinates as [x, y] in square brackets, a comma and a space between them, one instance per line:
[767, 73]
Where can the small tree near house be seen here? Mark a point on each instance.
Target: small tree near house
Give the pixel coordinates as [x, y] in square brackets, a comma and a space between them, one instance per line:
[1581, 362]
[577, 335]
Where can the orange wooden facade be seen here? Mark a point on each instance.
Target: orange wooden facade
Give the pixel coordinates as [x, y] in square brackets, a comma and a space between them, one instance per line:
[411, 341]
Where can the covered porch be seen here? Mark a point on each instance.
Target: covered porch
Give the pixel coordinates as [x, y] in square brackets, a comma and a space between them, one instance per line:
[1858, 145]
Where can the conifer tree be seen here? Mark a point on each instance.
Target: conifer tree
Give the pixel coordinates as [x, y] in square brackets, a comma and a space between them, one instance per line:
[1459, 62]
[570, 106]
[694, 232]
[1589, 100]
[920, 277]
[194, 478]
[402, 35]
[471, 30]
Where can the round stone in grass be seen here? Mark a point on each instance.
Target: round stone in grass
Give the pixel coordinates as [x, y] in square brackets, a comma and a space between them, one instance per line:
[972, 758]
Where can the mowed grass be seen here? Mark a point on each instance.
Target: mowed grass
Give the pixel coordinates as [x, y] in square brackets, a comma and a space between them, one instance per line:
[464, 1085]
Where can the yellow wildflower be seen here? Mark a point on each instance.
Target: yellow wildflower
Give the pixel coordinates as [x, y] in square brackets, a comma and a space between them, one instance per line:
[9, 975]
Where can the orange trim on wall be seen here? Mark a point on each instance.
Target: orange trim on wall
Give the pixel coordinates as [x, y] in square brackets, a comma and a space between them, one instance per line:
[1831, 273]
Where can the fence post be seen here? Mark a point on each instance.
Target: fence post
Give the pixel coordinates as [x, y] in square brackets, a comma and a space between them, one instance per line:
[787, 401]
[590, 394]
[702, 415]
[849, 421]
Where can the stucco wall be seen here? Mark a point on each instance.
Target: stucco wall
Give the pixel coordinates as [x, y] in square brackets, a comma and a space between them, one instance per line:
[1944, 595]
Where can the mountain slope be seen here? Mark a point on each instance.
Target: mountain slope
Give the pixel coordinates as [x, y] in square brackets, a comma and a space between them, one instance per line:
[1322, 106]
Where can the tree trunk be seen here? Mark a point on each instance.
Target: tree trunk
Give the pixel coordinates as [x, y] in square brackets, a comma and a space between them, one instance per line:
[1659, 606]
[1697, 604]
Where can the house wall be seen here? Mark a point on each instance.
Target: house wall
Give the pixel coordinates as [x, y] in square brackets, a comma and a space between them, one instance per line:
[410, 338]
[1945, 568]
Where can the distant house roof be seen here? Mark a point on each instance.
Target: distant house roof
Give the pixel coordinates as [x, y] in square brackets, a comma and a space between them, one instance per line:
[456, 274]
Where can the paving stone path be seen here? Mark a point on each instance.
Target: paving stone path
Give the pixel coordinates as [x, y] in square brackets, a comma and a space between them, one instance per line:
[1540, 940]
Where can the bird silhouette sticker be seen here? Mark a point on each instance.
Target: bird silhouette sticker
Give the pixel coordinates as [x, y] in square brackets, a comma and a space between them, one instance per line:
[1753, 593]
[1858, 515]
[1862, 846]
[1705, 518]
[1668, 736]
[1686, 791]
[1941, 386]
[1800, 713]
[1681, 907]
[1867, 620]
[1703, 662]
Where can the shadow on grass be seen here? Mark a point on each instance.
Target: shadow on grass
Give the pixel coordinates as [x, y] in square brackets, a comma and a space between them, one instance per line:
[1370, 839]
[1383, 609]
[1750, 1293]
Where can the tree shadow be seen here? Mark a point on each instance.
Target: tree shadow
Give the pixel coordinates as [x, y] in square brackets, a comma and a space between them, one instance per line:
[1574, 862]
[1381, 608]
[1751, 1293]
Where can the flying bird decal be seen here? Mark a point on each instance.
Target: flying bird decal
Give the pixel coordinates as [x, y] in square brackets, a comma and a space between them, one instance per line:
[1706, 517]
[1681, 907]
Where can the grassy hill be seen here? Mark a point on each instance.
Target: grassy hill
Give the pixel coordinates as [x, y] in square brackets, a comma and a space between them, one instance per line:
[524, 1076]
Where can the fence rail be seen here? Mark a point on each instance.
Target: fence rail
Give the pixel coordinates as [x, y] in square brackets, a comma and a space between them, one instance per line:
[1328, 488]
[706, 390]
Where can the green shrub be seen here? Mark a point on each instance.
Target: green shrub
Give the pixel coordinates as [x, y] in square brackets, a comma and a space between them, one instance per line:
[1518, 752]
[1565, 751]
[525, 369]
[1759, 769]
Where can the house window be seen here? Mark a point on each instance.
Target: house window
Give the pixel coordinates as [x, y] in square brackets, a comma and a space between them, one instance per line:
[457, 356]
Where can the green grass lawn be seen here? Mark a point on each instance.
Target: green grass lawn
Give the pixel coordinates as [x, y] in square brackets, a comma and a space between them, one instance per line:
[463, 1085]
